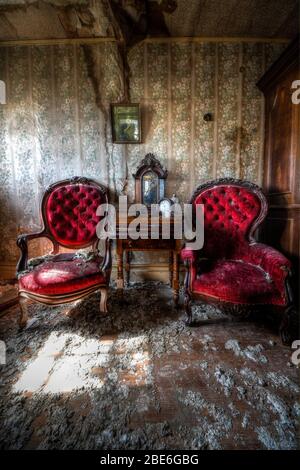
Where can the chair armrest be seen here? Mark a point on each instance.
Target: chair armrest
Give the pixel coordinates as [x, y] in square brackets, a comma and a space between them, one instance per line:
[107, 259]
[22, 243]
[270, 260]
[268, 257]
[189, 258]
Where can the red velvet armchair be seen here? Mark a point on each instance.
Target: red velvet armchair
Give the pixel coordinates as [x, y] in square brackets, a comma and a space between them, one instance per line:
[69, 220]
[232, 269]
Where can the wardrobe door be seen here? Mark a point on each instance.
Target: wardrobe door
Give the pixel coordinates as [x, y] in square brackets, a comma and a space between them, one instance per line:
[282, 157]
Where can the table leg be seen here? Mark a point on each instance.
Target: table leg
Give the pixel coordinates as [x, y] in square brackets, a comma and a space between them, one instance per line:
[171, 268]
[120, 278]
[127, 267]
[175, 279]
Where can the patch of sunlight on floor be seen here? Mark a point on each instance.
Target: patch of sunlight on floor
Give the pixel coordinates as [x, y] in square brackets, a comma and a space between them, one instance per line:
[70, 362]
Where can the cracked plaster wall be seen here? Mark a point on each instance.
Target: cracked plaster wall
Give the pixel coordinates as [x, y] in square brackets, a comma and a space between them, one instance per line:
[44, 19]
[56, 120]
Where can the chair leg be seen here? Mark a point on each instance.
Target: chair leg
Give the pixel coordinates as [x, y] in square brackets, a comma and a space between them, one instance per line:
[188, 308]
[289, 326]
[23, 312]
[103, 300]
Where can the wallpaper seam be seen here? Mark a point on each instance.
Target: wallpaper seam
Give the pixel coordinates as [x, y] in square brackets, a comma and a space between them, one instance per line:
[145, 50]
[262, 123]
[192, 146]
[239, 116]
[16, 198]
[54, 143]
[77, 112]
[33, 124]
[103, 161]
[216, 130]
[169, 110]
[10, 147]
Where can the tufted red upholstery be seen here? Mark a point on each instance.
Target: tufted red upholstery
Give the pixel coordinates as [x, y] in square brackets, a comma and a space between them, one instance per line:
[232, 267]
[64, 274]
[229, 213]
[70, 212]
[237, 282]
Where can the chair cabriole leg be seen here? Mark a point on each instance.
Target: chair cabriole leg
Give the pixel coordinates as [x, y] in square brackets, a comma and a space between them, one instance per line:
[23, 313]
[188, 308]
[103, 300]
[289, 326]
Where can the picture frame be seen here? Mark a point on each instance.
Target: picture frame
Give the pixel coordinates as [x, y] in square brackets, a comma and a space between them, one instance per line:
[126, 123]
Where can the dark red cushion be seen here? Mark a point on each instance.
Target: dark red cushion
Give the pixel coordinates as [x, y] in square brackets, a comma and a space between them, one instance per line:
[70, 212]
[229, 212]
[64, 274]
[236, 281]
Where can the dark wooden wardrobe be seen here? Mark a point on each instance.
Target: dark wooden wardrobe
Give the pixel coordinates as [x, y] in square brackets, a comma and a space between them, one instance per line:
[282, 157]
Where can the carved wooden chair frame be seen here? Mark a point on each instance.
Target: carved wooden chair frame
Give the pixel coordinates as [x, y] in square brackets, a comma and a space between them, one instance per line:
[236, 309]
[22, 243]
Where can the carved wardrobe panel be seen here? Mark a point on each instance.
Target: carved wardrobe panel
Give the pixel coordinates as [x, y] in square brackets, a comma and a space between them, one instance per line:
[282, 156]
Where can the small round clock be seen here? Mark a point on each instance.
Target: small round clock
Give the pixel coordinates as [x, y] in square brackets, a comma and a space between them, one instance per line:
[165, 207]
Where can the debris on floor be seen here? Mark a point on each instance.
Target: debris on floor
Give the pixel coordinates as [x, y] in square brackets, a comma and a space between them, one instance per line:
[8, 294]
[141, 379]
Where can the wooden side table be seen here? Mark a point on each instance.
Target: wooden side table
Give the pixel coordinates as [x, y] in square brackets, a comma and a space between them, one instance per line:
[171, 245]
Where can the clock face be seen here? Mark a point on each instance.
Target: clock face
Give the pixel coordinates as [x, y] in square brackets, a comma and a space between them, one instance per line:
[165, 208]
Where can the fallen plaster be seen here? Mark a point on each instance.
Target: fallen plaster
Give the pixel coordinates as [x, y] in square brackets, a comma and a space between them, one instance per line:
[142, 379]
[251, 352]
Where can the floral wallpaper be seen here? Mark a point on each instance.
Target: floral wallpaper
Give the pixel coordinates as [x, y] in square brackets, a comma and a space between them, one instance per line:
[177, 84]
[52, 128]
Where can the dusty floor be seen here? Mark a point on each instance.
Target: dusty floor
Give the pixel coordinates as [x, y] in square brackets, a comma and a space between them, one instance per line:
[8, 294]
[143, 380]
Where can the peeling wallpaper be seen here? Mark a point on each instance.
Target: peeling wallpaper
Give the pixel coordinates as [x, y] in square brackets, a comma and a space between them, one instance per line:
[51, 127]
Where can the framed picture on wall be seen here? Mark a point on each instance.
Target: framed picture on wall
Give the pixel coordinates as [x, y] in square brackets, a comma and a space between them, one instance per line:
[126, 123]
